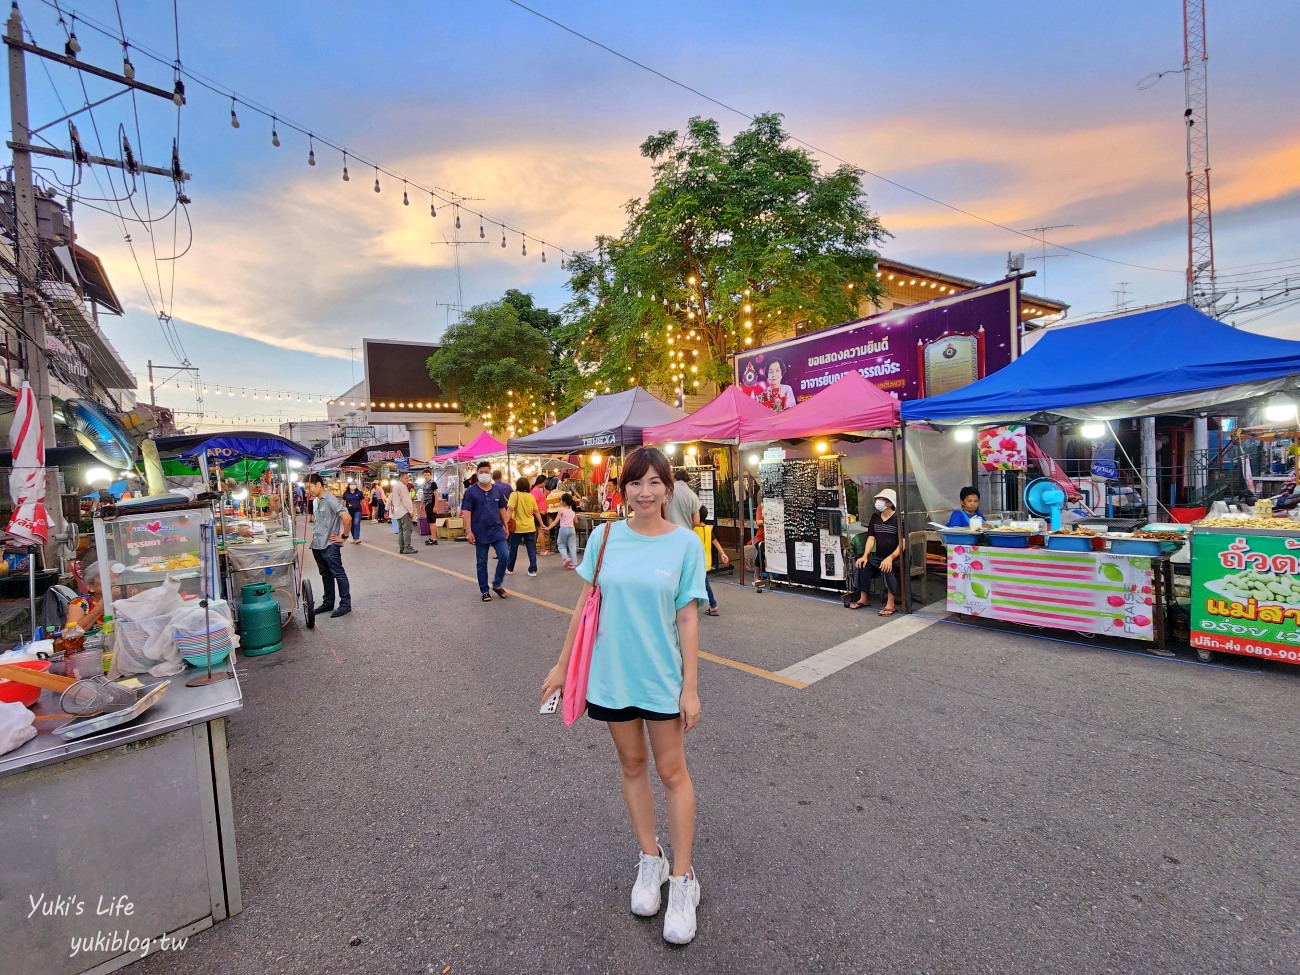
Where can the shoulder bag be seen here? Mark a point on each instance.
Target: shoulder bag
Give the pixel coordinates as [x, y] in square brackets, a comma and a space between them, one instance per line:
[511, 507]
[584, 642]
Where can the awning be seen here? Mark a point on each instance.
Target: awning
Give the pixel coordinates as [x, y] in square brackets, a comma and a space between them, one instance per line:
[614, 420]
[718, 420]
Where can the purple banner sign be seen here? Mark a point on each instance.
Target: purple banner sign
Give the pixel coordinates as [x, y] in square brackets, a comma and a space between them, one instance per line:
[921, 350]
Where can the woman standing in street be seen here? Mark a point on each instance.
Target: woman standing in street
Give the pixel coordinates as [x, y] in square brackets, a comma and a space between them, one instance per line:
[643, 676]
[352, 498]
[521, 510]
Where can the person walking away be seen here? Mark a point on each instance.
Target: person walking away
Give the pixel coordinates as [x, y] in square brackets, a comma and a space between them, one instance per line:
[881, 553]
[566, 541]
[521, 518]
[378, 502]
[684, 504]
[644, 676]
[705, 532]
[352, 499]
[401, 509]
[538, 491]
[328, 534]
[501, 487]
[486, 510]
[430, 498]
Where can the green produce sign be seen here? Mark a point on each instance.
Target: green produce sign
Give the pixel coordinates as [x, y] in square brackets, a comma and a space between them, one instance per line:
[1246, 594]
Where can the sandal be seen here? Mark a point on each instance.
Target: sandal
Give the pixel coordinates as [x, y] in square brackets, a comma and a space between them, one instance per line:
[886, 612]
[857, 605]
[500, 592]
[712, 611]
[486, 597]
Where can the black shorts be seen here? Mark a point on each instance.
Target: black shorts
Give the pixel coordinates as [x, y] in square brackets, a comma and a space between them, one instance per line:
[598, 713]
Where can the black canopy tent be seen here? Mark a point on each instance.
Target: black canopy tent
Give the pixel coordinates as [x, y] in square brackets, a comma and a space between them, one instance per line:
[613, 420]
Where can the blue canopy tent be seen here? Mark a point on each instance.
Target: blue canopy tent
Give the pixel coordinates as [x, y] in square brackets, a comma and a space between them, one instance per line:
[1168, 360]
[234, 446]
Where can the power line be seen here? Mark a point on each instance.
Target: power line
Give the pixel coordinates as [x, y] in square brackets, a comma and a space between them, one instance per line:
[437, 194]
[825, 152]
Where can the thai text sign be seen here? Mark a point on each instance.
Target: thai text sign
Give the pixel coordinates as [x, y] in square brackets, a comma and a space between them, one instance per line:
[921, 350]
[1246, 594]
[1088, 592]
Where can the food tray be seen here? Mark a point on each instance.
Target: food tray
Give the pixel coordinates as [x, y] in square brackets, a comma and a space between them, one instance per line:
[954, 536]
[1142, 546]
[1009, 539]
[1070, 543]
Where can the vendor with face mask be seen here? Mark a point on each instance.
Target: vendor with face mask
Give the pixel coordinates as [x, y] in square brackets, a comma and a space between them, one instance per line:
[969, 514]
[882, 554]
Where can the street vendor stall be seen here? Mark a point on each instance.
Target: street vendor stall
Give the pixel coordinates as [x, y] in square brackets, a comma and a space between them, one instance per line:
[805, 508]
[616, 420]
[1172, 359]
[260, 540]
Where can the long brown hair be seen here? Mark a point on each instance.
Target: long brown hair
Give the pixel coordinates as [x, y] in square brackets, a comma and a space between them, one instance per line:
[641, 462]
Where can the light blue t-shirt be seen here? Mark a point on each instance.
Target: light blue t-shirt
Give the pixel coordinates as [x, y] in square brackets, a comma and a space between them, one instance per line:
[637, 659]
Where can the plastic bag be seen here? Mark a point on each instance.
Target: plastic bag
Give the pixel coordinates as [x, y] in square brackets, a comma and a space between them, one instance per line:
[161, 599]
[17, 726]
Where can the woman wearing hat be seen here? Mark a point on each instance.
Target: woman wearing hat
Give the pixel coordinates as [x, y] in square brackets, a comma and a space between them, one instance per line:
[881, 554]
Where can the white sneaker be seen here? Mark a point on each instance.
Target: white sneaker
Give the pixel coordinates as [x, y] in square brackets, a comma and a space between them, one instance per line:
[647, 892]
[679, 919]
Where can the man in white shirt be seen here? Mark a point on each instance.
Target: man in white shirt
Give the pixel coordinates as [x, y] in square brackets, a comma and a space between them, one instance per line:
[402, 510]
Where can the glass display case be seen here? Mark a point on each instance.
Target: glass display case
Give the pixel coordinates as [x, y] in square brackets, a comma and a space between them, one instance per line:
[143, 548]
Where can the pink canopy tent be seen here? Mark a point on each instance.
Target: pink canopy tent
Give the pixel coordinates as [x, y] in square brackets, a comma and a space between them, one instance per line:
[850, 404]
[480, 446]
[719, 420]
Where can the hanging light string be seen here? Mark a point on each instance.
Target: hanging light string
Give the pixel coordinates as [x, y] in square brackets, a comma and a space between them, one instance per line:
[236, 391]
[279, 121]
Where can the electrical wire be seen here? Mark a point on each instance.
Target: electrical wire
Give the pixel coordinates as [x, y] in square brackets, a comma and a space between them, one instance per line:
[826, 152]
[445, 196]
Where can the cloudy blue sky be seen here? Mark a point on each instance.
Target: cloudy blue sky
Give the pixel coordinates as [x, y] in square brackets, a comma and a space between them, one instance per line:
[1024, 113]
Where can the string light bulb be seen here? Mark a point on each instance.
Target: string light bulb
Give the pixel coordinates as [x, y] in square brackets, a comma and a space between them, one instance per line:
[178, 92]
[433, 209]
[503, 235]
[543, 255]
[376, 179]
[275, 136]
[128, 69]
[74, 45]
[482, 234]
[234, 119]
[311, 151]
[406, 200]
[457, 218]
[346, 177]
[524, 247]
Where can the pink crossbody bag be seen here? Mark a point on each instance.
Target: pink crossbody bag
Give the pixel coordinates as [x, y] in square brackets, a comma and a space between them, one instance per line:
[584, 642]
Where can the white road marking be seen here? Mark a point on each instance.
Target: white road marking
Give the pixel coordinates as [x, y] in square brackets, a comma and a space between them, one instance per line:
[860, 647]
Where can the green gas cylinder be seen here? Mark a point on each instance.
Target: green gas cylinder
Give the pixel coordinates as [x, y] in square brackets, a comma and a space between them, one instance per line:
[259, 620]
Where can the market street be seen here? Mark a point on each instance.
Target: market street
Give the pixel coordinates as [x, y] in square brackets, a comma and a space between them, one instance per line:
[960, 801]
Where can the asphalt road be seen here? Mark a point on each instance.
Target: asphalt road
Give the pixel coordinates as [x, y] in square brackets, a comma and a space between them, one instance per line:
[963, 801]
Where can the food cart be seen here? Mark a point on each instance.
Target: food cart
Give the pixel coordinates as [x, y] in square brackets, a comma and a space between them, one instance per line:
[260, 537]
[1139, 365]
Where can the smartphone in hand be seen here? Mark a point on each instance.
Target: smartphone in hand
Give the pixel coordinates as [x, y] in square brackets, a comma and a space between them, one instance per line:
[551, 705]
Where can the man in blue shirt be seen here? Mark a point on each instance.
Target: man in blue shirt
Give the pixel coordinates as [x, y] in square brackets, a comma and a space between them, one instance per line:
[970, 508]
[485, 508]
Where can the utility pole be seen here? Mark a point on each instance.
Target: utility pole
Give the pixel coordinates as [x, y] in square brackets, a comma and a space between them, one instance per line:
[27, 243]
[26, 235]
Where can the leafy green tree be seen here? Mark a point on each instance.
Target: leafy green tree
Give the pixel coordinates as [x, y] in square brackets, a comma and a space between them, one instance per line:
[495, 362]
[735, 243]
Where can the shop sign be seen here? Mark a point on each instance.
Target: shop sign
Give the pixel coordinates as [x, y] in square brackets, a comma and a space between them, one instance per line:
[1087, 592]
[1246, 594]
[1003, 448]
[379, 456]
[1103, 460]
[921, 350]
[607, 439]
